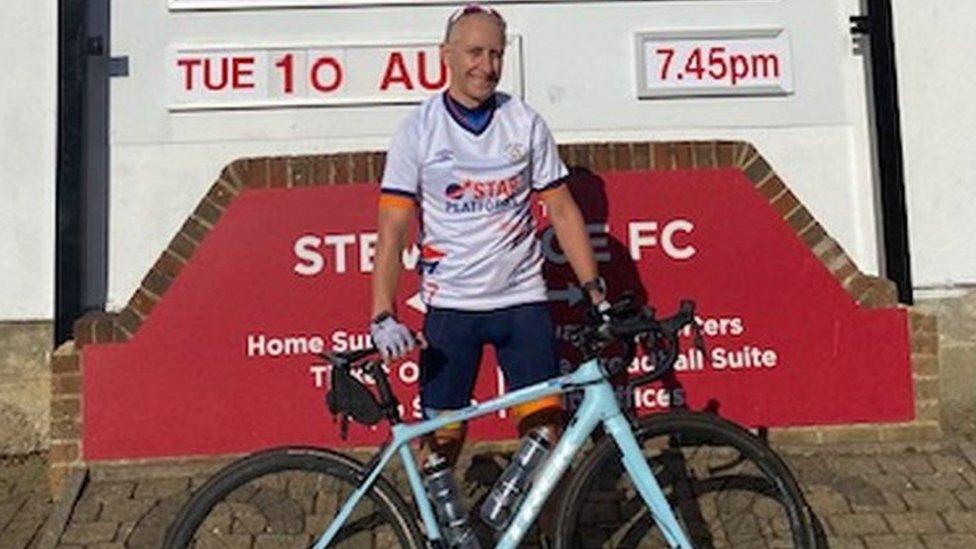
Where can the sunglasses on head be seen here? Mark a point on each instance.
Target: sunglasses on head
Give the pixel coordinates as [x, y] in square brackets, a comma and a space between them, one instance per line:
[469, 9]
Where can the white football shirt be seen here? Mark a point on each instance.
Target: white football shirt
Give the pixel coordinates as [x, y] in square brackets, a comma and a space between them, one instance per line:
[479, 249]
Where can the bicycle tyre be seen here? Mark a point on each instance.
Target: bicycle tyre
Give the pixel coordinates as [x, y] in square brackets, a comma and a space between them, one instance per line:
[779, 518]
[255, 474]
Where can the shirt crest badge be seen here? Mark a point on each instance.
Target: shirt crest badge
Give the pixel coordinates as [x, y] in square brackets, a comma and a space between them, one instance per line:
[515, 152]
[444, 155]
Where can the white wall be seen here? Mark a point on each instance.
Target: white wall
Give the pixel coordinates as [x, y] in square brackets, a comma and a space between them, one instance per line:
[934, 45]
[579, 72]
[28, 114]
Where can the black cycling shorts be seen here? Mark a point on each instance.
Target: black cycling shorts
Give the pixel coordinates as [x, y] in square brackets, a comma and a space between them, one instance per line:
[523, 338]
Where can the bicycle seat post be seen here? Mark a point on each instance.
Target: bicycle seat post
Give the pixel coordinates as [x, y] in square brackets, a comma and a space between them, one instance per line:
[388, 401]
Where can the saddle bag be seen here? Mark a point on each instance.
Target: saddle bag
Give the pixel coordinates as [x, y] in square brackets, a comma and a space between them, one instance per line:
[349, 398]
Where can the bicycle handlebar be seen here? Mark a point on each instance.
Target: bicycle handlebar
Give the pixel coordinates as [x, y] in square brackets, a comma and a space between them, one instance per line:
[626, 321]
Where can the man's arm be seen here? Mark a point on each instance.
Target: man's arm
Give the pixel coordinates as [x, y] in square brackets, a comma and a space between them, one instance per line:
[567, 221]
[393, 227]
[390, 337]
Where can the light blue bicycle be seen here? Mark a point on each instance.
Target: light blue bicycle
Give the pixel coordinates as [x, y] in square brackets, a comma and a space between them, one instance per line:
[677, 479]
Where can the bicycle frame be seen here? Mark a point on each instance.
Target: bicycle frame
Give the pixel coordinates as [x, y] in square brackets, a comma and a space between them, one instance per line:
[599, 406]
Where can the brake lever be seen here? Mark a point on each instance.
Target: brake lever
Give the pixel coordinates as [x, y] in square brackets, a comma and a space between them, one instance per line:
[687, 308]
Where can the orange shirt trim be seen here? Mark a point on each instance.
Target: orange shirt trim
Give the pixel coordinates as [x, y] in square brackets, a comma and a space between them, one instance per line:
[395, 201]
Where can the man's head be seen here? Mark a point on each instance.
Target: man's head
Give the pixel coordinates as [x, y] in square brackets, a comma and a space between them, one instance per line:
[473, 46]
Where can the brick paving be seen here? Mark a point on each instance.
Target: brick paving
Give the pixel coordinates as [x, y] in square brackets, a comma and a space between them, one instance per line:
[24, 500]
[891, 496]
[866, 496]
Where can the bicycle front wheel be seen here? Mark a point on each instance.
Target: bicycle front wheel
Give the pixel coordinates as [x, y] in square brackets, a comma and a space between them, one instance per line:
[286, 498]
[727, 488]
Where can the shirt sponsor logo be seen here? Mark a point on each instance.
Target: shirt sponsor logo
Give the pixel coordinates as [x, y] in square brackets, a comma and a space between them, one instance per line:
[490, 195]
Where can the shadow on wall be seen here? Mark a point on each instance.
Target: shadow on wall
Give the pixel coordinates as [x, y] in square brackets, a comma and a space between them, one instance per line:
[589, 192]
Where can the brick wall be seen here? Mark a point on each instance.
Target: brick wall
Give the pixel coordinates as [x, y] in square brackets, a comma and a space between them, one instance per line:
[65, 452]
[348, 168]
[956, 316]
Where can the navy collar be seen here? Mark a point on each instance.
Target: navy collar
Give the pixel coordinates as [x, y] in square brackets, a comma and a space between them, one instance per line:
[468, 118]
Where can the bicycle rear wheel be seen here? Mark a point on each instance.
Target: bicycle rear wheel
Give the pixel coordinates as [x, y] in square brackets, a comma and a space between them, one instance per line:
[286, 498]
[727, 488]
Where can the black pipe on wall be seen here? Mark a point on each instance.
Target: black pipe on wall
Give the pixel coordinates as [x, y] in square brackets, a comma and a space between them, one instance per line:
[879, 26]
[81, 245]
[70, 184]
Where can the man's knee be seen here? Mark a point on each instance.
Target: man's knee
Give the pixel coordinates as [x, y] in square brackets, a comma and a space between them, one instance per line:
[544, 412]
[447, 441]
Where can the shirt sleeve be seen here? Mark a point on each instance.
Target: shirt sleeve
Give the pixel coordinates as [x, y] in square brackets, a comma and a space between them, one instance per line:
[547, 168]
[401, 174]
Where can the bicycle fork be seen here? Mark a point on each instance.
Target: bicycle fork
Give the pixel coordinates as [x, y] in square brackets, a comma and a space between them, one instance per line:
[599, 405]
[650, 490]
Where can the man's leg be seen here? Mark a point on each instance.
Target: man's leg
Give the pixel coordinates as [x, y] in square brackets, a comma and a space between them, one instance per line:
[445, 442]
[448, 370]
[525, 340]
[526, 344]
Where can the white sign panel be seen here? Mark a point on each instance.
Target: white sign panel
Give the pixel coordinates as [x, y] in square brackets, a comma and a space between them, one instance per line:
[205, 78]
[733, 62]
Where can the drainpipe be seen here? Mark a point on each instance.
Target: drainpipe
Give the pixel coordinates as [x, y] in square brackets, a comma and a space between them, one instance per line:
[877, 25]
[69, 255]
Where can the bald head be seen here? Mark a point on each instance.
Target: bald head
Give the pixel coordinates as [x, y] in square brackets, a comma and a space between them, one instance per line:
[465, 17]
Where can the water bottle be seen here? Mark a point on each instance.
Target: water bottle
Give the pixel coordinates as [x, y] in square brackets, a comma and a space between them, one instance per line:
[514, 483]
[446, 497]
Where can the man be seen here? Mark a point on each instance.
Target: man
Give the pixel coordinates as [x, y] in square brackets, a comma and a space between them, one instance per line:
[470, 160]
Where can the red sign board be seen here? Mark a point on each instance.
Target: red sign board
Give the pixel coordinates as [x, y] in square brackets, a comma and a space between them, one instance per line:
[223, 363]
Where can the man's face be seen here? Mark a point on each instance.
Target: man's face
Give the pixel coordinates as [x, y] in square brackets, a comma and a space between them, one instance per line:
[473, 53]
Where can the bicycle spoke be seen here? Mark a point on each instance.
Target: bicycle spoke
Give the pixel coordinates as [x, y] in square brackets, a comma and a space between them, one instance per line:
[290, 510]
[721, 499]
[633, 530]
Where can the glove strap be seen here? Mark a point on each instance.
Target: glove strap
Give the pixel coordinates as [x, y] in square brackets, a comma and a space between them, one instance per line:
[381, 317]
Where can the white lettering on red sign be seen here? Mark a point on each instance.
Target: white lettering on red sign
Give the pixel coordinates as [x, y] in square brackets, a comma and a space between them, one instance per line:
[643, 234]
[202, 78]
[316, 254]
[276, 346]
[745, 357]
